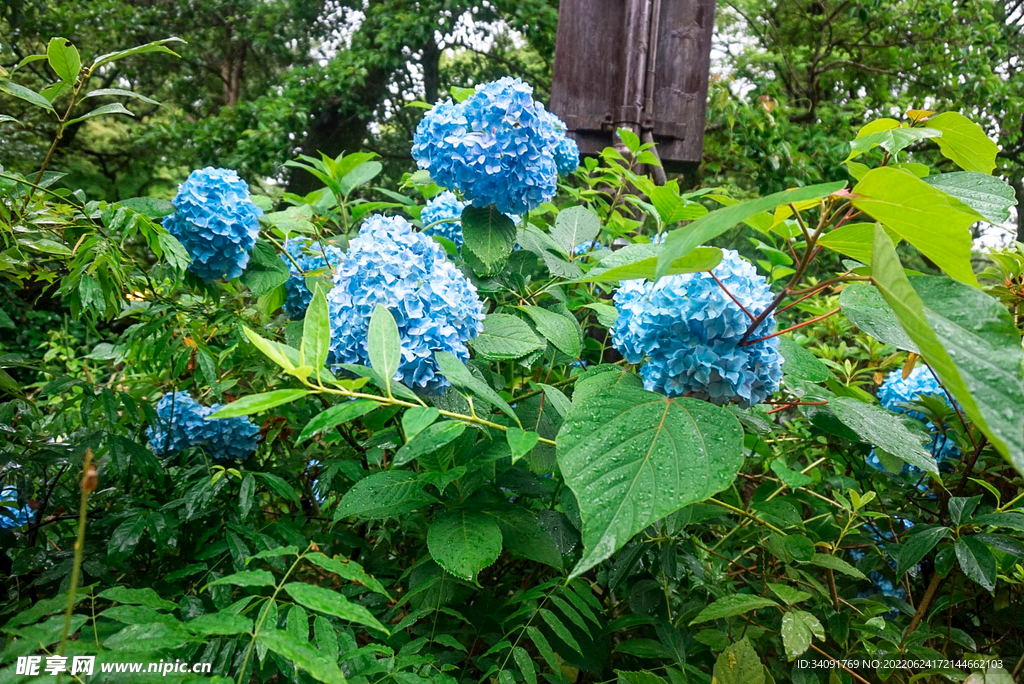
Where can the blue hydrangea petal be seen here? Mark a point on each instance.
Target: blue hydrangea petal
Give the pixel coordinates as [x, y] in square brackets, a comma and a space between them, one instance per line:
[181, 423]
[686, 331]
[435, 306]
[216, 222]
[310, 257]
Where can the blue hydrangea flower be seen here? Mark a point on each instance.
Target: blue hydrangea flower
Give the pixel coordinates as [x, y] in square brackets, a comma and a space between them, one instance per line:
[689, 330]
[894, 395]
[310, 258]
[588, 246]
[216, 222]
[182, 423]
[13, 516]
[435, 306]
[496, 147]
[445, 207]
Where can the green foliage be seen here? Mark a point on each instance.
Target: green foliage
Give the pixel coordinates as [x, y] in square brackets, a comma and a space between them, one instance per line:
[547, 518]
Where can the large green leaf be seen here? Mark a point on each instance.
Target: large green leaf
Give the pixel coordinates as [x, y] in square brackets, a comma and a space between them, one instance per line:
[506, 337]
[734, 604]
[64, 59]
[976, 561]
[302, 655]
[801, 364]
[739, 664]
[332, 603]
[254, 403]
[969, 339]
[489, 237]
[460, 376]
[867, 309]
[574, 226]
[641, 261]
[885, 430]
[682, 241]
[464, 542]
[316, 331]
[386, 494]
[21, 92]
[934, 222]
[266, 270]
[964, 142]
[798, 628]
[988, 195]
[631, 457]
[557, 329]
[916, 546]
[384, 345]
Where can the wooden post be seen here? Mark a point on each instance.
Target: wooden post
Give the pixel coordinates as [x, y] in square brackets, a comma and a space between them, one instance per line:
[636, 64]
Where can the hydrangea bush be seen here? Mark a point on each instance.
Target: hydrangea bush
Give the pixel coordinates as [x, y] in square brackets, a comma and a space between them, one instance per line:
[637, 448]
[216, 222]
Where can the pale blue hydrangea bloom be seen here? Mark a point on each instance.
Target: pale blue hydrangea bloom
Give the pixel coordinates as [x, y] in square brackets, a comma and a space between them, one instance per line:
[216, 222]
[896, 392]
[444, 206]
[182, 423]
[310, 258]
[435, 306]
[687, 331]
[13, 516]
[498, 147]
[880, 582]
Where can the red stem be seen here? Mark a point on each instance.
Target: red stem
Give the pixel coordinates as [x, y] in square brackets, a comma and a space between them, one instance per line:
[792, 327]
[731, 296]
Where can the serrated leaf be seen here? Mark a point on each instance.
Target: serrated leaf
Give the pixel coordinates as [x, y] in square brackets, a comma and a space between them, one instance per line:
[255, 403]
[574, 226]
[631, 457]
[302, 655]
[738, 664]
[800, 363]
[883, 429]
[489, 237]
[798, 629]
[557, 329]
[332, 603]
[383, 495]
[506, 337]
[429, 440]
[988, 195]
[464, 542]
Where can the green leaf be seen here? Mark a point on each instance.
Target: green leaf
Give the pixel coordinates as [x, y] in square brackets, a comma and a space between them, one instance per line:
[823, 560]
[316, 331]
[631, 457]
[125, 538]
[559, 629]
[853, 239]
[460, 376]
[728, 606]
[892, 140]
[245, 494]
[935, 223]
[137, 597]
[988, 195]
[302, 655]
[574, 226]
[332, 603]
[464, 542]
[557, 329]
[964, 142]
[382, 495]
[347, 569]
[489, 237]
[682, 241]
[120, 92]
[254, 403]
[155, 46]
[798, 629]
[524, 535]
[359, 176]
[246, 578]
[969, 339]
[788, 594]
[525, 664]
[641, 261]
[275, 351]
[521, 442]
[738, 664]
[112, 108]
[976, 561]
[864, 305]
[885, 430]
[279, 485]
[219, 624]
[64, 59]
[916, 546]
[961, 508]
[266, 270]
[800, 363]
[336, 415]
[1011, 520]
[673, 207]
[429, 440]
[152, 207]
[506, 337]
[384, 345]
[23, 93]
[416, 419]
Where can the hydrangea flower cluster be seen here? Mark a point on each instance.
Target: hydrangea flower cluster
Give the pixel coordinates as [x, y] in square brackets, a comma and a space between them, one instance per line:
[445, 207]
[182, 423]
[216, 222]
[18, 517]
[435, 306]
[588, 246]
[497, 147]
[896, 392]
[310, 257]
[689, 331]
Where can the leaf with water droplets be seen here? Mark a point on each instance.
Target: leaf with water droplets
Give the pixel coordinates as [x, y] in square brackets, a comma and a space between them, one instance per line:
[464, 542]
[631, 457]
